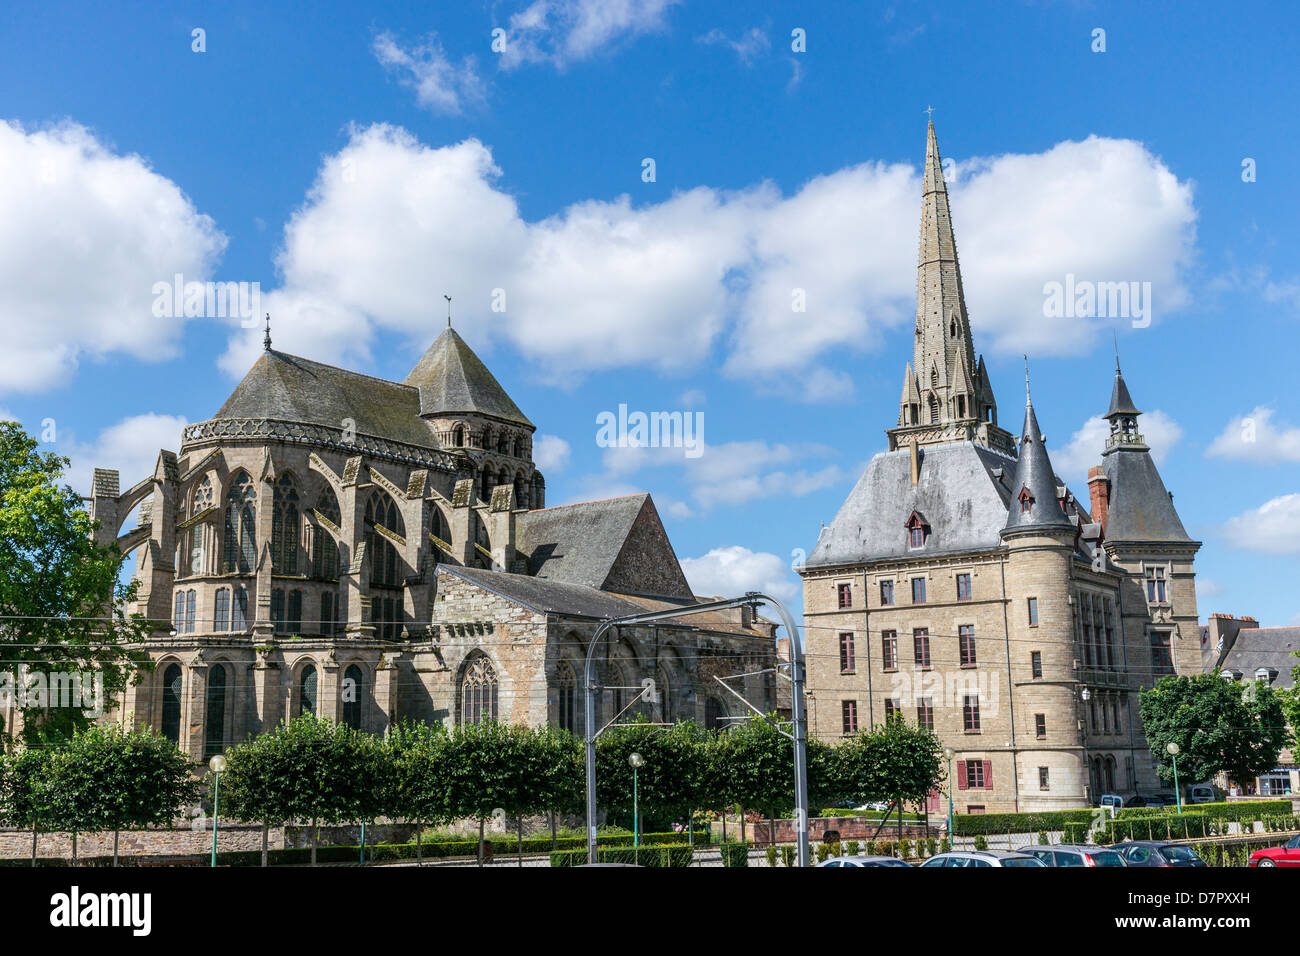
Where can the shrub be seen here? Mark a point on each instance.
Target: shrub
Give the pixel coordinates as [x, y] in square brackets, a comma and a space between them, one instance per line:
[788, 855]
[870, 847]
[737, 854]
[905, 849]
[771, 852]
[945, 845]
[1042, 838]
[823, 852]
[674, 856]
[837, 849]
[885, 848]
[980, 842]
[929, 846]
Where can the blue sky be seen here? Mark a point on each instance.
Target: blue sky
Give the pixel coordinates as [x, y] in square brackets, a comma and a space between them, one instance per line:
[360, 163]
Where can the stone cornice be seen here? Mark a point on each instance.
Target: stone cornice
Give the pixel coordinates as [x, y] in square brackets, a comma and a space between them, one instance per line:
[258, 431]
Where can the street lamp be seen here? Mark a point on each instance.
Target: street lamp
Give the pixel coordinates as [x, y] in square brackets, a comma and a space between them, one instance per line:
[218, 766]
[635, 761]
[948, 752]
[1173, 753]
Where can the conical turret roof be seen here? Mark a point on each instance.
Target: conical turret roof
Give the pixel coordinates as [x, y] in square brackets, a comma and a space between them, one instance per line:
[1036, 481]
[1121, 403]
[453, 380]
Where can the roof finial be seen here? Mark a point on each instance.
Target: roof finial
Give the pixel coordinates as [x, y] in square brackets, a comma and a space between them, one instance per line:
[448, 298]
[1116, 337]
[929, 111]
[266, 339]
[1028, 400]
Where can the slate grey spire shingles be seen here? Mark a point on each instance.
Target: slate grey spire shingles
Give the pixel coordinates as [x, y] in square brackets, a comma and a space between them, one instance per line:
[451, 378]
[1035, 481]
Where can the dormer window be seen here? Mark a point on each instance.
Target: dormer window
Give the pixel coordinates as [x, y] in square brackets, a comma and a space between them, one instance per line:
[1026, 501]
[917, 530]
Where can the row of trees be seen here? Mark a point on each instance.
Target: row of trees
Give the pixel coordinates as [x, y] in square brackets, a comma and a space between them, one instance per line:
[318, 772]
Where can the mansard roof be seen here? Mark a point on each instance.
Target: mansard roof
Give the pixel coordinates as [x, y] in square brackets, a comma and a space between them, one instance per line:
[289, 388]
[453, 380]
[613, 544]
[1271, 647]
[963, 491]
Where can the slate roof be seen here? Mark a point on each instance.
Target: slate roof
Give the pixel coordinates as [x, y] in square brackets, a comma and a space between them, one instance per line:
[1140, 507]
[289, 388]
[963, 501]
[452, 379]
[1034, 474]
[577, 543]
[1271, 647]
[1121, 403]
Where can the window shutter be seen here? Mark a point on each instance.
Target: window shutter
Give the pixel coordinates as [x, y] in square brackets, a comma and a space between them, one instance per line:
[961, 775]
[988, 775]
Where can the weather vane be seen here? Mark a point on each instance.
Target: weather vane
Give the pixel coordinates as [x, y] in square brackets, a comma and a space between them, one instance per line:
[448, 298]
[266, 339]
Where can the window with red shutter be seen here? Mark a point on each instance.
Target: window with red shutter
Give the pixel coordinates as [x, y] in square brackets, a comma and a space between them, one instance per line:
[988, 775]
[961, 775]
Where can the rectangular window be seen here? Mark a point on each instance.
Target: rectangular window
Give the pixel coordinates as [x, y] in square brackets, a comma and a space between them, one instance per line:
[970, 714]
[221, 616]
[925, 713]
[191, 611]
[974, 774]
[1036, 664]
[966, 644]
[1040, 725]
[974, 810]
[1042, 779]
[963, 587]
[1033, 612]
[295, 612]
[918, 590]
[1155, 578]
[886, 592]
[921, 646]
[845, 595]
[277, 610]
[917, 538]
[849, 712]
[889, 650]
[892, 710]
[1162, 655]
[239, 610]
[178, 613]
[846, 652]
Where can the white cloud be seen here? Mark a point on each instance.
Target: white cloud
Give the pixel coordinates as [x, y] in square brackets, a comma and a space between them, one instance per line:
[1272, 528]
[84, 235]
[1207, 588]
[734, 570]
[747, 46]
[131, 447]
[1073, 459]
[609, 284]
[550, 453]
[439, 84]
[1254, 437]
[561, 32]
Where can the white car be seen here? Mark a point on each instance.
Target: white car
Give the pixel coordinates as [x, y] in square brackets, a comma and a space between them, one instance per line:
[865, 861]
[982, 858]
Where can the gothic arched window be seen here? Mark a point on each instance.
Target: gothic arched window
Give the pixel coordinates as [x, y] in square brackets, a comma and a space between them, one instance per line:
[478, 691]
[521, 490]
[171, 703]
[566, 685]
[325, 550]
[307, 691]
[241, 526]
[284, 527]
[438, 526]
[215, 712]
[482, 543]
[202, 500]
[458, 436]
[715, 713]
[353, 696]
[381, 512]
[503, 444]
[664, 688]
[221, 611]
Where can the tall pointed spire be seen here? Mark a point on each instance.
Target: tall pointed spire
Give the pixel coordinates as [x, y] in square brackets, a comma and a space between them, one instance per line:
[1034, 505]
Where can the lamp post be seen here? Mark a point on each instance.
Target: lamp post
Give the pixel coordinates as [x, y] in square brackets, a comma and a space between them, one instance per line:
[218, 766]
[947, 752]
[1173, 753]
[635, 761]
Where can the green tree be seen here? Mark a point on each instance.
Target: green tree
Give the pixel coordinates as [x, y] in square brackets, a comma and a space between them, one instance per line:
[668, 784]
[418, 786]
[253, 789]
[486, 763]
[903, 761]
[62, 607]
[562, 780]
[26, 797]
[1220, 727]
[107, 778]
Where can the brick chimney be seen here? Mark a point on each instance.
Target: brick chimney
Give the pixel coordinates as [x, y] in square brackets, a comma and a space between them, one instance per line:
[1099, 492]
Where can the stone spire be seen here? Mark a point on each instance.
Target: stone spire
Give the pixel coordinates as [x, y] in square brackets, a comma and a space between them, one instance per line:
[1034, 506]
[954, 399]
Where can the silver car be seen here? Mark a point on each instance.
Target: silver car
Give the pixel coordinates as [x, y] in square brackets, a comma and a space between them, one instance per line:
[982, 858]
[865, 861]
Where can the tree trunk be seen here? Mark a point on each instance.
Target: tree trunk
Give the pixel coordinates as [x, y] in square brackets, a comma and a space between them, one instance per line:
[555, 843]
[520, 844]
[314, 834]
[33, 846]
[771, 826]
[884, 820]
[264, 838]
[115, 834]
[419, 845]
[480, 841]
[724, 824]
[742, 823]
[900, 820]
[74, 849]
[363, 844]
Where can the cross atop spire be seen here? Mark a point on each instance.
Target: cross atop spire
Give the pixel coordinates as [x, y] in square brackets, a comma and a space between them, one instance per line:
[448, 298]
[266, 339]
[929, 111]
[1028, 400]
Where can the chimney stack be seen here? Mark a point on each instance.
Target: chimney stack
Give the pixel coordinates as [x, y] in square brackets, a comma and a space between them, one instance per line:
[1099, 492]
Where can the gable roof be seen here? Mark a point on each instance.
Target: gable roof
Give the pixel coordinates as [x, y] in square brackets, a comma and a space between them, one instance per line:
[286, 387]
[452, 379]
[616, 543]
[958, 491]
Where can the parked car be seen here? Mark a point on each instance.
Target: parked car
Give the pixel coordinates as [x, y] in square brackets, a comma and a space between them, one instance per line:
[879, 806]
[1137, 800]
[1070, 854]
[891, 861]
[1151, 853]
[1288, 854]
[1201, 793]
[1111, 800]
[982, 858]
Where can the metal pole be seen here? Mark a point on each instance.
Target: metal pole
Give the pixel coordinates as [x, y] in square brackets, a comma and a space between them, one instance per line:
[951, 845]
[636, 819]
[362, 861]
[216, 805]
[1178, 794]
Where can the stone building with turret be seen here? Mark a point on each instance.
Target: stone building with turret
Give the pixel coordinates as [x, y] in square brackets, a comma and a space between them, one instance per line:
[964, 587]
[374, 551]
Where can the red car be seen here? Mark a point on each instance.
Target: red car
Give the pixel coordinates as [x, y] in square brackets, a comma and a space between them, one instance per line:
[1288, 854]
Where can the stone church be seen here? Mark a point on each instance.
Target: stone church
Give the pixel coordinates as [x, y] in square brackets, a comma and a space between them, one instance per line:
[963, 586]
[375, 551]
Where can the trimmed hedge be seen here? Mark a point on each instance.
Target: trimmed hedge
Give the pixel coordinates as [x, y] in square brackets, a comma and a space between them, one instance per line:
[973, 824]
[1077, 821]
[734, 854]
[1162, 827]
[1250, 810]
[665, 856]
